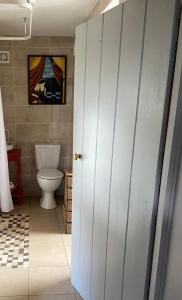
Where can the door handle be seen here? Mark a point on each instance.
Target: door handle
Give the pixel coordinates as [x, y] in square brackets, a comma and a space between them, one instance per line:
[76, 156]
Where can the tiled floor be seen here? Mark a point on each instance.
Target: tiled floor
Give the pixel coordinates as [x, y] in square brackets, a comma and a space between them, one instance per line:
[48, 274]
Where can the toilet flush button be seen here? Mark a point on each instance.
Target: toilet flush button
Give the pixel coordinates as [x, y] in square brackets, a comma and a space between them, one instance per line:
[77, 156]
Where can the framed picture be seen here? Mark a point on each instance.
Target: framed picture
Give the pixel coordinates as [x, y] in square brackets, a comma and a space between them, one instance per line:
[47, 79]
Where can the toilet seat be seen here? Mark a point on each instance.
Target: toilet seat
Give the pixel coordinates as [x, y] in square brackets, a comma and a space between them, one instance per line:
[50, 174]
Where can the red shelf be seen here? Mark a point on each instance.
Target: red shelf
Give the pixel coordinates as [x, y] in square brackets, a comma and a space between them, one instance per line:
[17, 193]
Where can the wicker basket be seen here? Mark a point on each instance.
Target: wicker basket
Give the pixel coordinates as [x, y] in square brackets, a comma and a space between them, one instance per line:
[68, 205]
[68, 179]
[68, 191]
[67, 194]
[67, 215]
[67, 208]
[68, 227]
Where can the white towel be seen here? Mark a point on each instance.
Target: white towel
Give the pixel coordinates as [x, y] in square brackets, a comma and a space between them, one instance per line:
[6, 203]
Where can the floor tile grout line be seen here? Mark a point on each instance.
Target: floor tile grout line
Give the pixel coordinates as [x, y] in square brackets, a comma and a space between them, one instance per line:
[62, 238]
[65, 249]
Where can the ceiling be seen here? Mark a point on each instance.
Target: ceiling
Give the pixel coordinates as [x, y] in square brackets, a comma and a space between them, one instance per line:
[52, 17]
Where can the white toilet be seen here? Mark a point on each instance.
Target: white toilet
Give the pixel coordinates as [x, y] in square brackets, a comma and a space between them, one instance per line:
[49, 177]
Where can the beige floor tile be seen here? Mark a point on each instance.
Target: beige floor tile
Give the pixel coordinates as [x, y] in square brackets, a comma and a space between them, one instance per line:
[21, 209]
[37, 210]
[50, 216]
[48, 223]
[59, 209]
[13, 281]
[61, 226]
[47, 256]
[68, 254]
[67, 240]
[53, 297]
[34, 202]
[40, 212]
[45, 238]
[50, 281]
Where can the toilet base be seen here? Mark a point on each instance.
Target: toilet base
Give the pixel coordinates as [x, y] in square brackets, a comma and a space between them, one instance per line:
[47, 200]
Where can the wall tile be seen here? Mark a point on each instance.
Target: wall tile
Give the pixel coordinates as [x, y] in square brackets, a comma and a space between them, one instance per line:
[32, 114]
[34, 42]
[70, 72]
[69, 94]
[61, 131]
[28, 165]
[62, 114]
[20, 76]
[70, 81]
[21, 55]
[27, 148]
[65, 42]
[9, 114]
[6, 43]
[6, 75]
[7, 95]
[66, 149]
[20, 95]
[32, 133]
[65, 163]
[12, 132]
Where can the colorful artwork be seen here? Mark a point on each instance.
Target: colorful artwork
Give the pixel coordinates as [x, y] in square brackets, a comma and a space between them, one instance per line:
[47, 79]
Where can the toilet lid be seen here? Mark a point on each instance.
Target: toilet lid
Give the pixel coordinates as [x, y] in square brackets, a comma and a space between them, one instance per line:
[48, 173]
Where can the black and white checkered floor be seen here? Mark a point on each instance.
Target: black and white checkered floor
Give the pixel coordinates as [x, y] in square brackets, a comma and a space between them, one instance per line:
[14, 240]
[47, 275]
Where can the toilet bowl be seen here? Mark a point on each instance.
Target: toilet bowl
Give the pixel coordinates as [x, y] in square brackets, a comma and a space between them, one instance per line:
[49, 180]
[49, 177]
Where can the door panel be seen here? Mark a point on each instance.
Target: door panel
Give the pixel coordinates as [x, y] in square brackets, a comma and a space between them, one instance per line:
[106, 119]
[153, 89]
[120, 91]
[93, 66]
[129, 74]
[79, 107]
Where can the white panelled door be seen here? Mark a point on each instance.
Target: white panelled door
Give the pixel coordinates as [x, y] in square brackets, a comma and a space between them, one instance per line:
[79, 106]
[122, 63]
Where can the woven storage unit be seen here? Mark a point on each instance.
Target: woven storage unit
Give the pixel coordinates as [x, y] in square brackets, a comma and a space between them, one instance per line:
[67, 215]
[68, 227]
[68, 179]
[67, 210]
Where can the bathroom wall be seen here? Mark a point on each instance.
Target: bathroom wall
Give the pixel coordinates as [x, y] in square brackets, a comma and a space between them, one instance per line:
[29, 124]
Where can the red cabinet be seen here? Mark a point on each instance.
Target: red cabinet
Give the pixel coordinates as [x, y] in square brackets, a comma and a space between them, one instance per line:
[17, 193]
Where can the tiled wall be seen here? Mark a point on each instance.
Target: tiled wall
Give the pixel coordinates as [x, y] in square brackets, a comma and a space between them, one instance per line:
[28, 124]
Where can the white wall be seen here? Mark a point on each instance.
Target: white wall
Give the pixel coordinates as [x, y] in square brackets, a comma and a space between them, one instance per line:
[102, 6]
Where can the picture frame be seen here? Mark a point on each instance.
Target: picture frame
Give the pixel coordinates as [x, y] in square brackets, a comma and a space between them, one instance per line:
[47, 79]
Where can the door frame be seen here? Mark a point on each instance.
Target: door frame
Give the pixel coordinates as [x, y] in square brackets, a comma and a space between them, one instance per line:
[170, 169]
